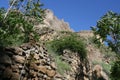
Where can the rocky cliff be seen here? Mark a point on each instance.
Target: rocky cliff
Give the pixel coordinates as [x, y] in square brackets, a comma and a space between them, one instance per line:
[34, 60]
[53, 22]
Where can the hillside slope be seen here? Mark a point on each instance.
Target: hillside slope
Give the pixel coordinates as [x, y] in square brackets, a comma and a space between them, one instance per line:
[41, 61]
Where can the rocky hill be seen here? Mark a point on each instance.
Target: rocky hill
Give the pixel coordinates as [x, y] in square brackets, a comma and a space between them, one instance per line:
[39, 61]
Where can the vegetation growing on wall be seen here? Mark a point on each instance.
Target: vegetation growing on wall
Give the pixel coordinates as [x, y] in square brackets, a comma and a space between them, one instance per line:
[70, 42]
[61, 65]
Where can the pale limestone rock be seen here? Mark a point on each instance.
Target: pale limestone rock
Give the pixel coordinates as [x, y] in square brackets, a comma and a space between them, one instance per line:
[36, 56]
[33, 73]
[53, 65]
[23, 71]
[45, 76]
[20, 66]
[37, 62]
[18, 51]
[19, 59]
[53, 22]
[48, 67]
[51, 73]
[34, 66]
[25, 78]
[42, 69]
[99, 73]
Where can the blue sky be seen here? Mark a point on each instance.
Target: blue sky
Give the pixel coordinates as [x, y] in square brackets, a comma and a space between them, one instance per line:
[80, 14]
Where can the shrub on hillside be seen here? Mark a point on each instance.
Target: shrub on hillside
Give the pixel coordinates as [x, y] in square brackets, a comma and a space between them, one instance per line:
[70, 42]
[115, 70]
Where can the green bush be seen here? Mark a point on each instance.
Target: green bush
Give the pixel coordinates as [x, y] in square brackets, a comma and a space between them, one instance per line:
[17, 26]
[69, 42]
[15, 29]
[115, 70]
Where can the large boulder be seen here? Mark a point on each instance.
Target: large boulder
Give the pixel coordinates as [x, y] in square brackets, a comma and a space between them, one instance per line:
[98, 73]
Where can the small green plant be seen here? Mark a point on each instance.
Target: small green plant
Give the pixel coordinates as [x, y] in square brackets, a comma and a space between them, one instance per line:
[115, 70]
[70, 42]
[61, 65]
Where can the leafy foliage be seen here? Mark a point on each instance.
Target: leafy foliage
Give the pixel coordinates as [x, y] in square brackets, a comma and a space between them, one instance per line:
[30, 8]
[70, 42]
[115, 70]
[61, 65]
[17, 27]
[108, 28]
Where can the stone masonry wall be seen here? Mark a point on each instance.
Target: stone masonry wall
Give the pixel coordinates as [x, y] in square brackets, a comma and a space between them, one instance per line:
[27, 62]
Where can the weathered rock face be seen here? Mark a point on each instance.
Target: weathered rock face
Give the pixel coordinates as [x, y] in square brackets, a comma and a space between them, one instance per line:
[53, 22]
[94, 54]
[98, 73]
[79, 68]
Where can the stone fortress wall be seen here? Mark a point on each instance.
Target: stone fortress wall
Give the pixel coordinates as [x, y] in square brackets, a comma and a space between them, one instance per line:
[86, 33]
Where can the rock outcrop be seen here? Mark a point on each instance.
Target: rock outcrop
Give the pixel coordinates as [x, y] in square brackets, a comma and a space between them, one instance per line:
[79, 68]
[86, 33]
[53, 22]
[98, 73]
